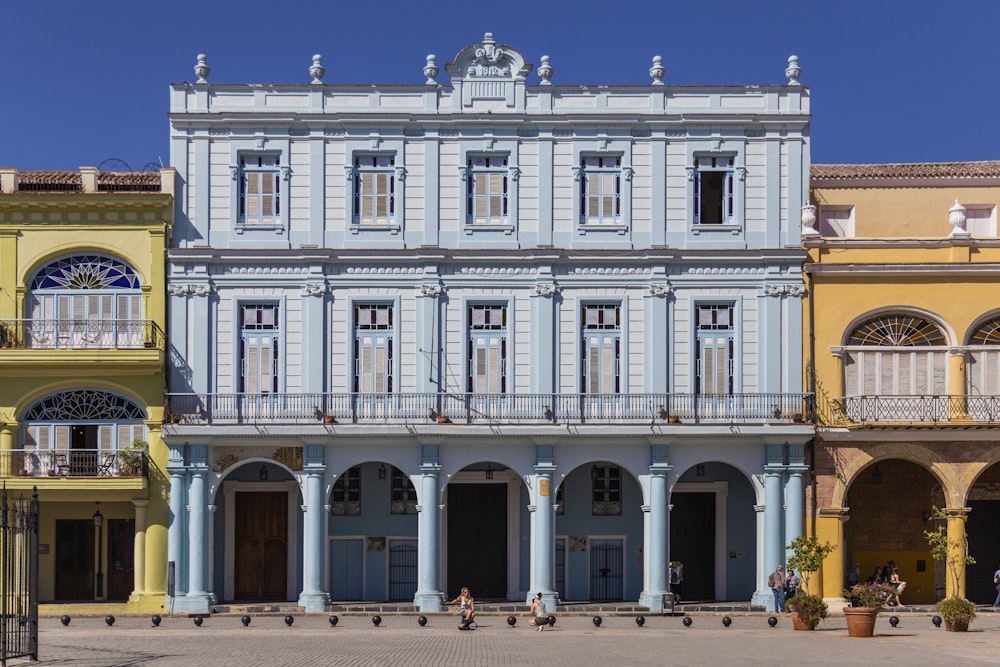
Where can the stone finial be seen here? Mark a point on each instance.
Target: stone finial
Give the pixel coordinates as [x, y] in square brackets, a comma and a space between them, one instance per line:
[657, 71]
[808, 218]
[202, 69]
[545, 71]
[793, 71]
[956, 216]
[431, 69]
[317, 70]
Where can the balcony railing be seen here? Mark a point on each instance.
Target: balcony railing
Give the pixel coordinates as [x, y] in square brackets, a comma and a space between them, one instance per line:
[81, 334]
[73, 463]
[352, 408]
[882, 410]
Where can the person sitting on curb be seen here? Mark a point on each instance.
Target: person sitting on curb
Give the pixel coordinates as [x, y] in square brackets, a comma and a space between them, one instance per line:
[539, 617]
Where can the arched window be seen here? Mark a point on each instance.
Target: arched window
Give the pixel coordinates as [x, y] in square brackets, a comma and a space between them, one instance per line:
[85, 301]
[983, 371]
[80, 428]
[896, 355]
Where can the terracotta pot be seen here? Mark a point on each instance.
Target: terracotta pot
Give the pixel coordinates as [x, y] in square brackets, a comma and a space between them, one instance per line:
[957, 626]
[799, 624]
[860, 621]
[329, 419]
[673, 419]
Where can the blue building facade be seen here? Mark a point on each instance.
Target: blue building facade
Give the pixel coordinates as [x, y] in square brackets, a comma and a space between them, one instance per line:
[495, 332]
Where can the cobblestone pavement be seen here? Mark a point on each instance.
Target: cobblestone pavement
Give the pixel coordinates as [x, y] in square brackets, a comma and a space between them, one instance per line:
[574, 642]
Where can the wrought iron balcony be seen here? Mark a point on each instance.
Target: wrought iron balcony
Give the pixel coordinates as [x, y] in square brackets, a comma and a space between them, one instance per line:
[81, 334]
[353, 408]
[886, 410]
[73, 463]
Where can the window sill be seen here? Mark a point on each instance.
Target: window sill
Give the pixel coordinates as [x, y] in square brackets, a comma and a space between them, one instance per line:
[357, 229]
[585, 229]
[242, 227]
[472, 229]
[716, 229]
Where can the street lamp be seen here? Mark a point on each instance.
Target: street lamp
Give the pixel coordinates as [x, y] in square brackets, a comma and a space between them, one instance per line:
[99, 524]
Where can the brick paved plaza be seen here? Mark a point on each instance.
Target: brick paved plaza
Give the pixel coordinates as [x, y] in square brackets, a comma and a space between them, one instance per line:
[574, 641]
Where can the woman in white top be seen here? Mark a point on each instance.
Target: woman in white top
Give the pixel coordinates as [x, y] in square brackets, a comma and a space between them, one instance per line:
[539, 616]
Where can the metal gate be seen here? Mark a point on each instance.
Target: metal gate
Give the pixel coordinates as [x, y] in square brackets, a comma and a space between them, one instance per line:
[18, 577]
[402, 569]
[561, 568]
[606, 569]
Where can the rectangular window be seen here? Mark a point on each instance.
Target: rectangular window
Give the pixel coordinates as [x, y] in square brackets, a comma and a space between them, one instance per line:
[714, 347]
[404, 496]
[487, 349]
[713, 191]
[601, 191]
[486, 191]
[259, 335]
[345, 498]
[601, 349]
[836, 221]
[373, 348]
[981, 221]
[260, 190]
[606, 484]
[375, 190]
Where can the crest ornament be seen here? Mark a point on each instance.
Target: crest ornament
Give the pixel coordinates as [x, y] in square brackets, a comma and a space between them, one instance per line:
[202, 69]
[317, 70]
[431, 69]
[793, 71]
[545, 71]
[657, 71]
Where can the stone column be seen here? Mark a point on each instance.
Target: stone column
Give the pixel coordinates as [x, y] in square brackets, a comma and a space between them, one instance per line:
[957, 551]
[197, 598]
[139, 551]
[774, 550]
[429, 596]
[830, 528]
[177, 536]
[312, 597]
[794, 504]
[958, 409]
[543, 535]
[8, 439]
[656, 548]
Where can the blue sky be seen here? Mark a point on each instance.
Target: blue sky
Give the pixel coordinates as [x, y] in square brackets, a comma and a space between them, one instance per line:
[891, 81]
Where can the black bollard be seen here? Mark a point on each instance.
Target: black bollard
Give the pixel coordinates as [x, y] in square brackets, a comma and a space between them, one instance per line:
[640, 621]
[245, 620]
[552, 621]
[422, 620]
[687, 621]
[289, 620]
[198, 620]
[377, 620]
[936, 620]
[597, 621]
[772, 621]
[109, 619]
[65, 619]
[333, 621]
[726, 621]
[156, 620]
[511, 621]
[894, 621]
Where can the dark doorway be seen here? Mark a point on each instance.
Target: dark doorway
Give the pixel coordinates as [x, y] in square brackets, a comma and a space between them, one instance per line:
[692, 542]
[261, 538]
[477, 539]
[984, 547]
[121, 558]
[74, 559]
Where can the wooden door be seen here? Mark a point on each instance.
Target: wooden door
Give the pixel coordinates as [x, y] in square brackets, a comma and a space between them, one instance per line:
[121, 558]
[74, 559]
[692, 542]
[477, 539]
[261, 546]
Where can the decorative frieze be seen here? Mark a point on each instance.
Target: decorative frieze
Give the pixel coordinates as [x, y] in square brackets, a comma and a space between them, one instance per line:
[189, 289]
[784, 290]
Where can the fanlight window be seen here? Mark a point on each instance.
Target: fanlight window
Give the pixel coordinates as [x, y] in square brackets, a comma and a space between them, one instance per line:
[84, 405]
[84, 419]
[86, 272]
[897, 331]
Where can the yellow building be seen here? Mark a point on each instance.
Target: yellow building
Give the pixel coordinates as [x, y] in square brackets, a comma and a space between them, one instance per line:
[82, 353]
[903, 351]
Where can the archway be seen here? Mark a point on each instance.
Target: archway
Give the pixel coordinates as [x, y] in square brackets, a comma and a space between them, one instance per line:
[890, 502]
[984, 516]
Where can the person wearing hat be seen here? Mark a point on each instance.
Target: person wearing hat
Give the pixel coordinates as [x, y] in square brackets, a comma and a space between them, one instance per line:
[676, 579]
[776, 580]
[539, 617]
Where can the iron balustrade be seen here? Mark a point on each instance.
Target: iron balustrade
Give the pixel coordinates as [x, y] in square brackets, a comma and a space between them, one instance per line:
[81, 334]
[947, 409]
[73, 463]
[409, 408]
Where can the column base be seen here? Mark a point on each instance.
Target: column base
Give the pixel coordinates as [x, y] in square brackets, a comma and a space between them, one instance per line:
[550, 598]
[429, 601]
[652, 599]
[764, 599]
[192, 603]
[314, 602]
[147, 602]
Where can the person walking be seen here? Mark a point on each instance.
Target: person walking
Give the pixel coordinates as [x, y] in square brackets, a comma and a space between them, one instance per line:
[676, 579]
[776, 580]
[792, 584]
[996, 581]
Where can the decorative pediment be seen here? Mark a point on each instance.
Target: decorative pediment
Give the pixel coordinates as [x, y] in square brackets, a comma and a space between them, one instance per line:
[488, 60]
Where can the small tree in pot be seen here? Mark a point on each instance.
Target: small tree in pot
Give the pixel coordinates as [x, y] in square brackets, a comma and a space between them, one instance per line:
[807, 557]
[956, 611]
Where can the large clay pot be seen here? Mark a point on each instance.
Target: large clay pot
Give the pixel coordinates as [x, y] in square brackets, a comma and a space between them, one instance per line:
[860, 621]
[956, 626]
[799, 624]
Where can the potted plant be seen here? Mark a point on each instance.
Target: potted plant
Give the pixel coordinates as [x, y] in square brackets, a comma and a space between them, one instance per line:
[956, 611]
[130, 459]
[807, 557]
[866, 601]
